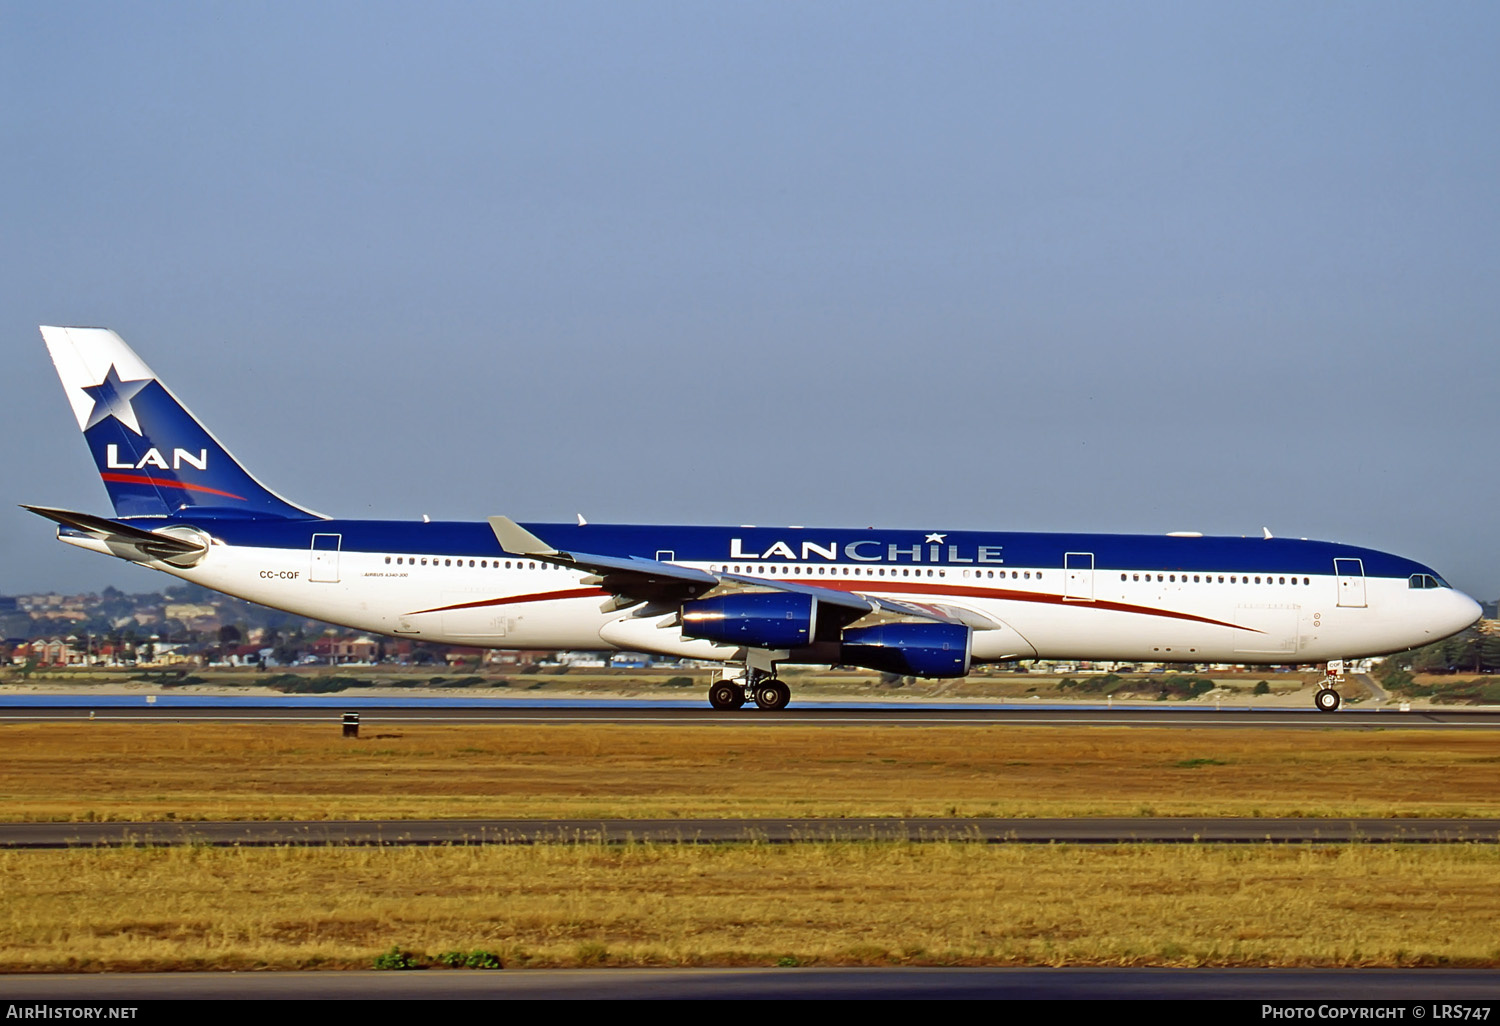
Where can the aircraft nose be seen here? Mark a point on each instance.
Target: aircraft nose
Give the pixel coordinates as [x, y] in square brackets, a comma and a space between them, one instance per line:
[1463, 612]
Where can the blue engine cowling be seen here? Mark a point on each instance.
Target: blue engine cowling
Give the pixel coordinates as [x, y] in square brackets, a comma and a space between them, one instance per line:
[774, 619]
[912, 649]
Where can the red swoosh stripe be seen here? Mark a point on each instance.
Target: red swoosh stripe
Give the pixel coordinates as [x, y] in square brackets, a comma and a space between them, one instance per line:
[542, 596]
[902, 587]
[164, 483]
[1007, 595]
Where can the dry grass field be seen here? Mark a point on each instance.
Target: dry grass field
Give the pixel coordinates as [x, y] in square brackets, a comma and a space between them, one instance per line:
[829, 904]
[907, 903]
[102, 770]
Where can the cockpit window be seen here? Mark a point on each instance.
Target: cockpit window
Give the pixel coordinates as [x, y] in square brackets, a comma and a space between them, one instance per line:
[1426, 581]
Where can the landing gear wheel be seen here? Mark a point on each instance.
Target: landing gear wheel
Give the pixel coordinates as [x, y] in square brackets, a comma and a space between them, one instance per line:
[1327, 700]
[772, 695]
[726, 695]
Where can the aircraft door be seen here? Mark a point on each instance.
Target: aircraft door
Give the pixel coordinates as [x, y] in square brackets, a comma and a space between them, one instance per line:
[1078, 577]
[325, 558]
[1351, 581]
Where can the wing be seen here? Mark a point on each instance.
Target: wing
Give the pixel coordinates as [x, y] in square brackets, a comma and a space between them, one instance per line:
[757, 613]
[631, 579]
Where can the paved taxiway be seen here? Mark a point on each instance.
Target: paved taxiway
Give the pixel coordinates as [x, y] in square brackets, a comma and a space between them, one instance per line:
[415, 833]
[624, 712]
[1304, 986]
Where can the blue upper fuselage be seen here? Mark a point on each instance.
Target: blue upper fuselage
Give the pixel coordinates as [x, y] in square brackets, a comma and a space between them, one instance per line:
[789, 545]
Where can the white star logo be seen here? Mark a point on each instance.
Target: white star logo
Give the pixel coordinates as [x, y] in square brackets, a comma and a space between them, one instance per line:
[112, 399]
[938, 538]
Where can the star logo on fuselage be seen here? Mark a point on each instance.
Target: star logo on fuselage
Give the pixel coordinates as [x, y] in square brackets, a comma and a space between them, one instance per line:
[112, 399]
[937, 538]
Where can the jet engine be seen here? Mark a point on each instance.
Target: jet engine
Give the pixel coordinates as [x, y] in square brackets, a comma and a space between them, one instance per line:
[758, 619]
[914, 649]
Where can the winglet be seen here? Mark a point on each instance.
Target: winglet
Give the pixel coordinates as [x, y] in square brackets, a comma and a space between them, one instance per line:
[518, 541]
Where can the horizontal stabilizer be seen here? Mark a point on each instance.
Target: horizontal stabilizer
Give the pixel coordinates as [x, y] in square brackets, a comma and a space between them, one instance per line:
[149, 543]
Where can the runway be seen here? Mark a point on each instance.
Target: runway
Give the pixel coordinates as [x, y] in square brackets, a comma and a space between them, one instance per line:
[1358, 988]
[376, 712]
[428, 833]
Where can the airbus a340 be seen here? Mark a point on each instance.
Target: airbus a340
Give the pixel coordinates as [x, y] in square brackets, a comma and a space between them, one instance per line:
[923, 603]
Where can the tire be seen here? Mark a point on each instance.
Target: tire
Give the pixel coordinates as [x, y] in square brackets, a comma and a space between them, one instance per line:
[725, 695]
[773, 696]
[1327, 700]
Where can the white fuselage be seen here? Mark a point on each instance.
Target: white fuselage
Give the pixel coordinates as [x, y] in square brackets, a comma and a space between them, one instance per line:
[518, 603]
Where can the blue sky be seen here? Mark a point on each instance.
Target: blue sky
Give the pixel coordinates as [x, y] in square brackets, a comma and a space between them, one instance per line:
[1044, 266]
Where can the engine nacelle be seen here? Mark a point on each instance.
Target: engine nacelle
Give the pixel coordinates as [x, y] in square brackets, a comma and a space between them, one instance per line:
[759, 619]
[910, 649]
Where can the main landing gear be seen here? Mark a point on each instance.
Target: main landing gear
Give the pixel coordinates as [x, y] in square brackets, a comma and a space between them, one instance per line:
[726, 694]
[758, 686]
[1327, 699]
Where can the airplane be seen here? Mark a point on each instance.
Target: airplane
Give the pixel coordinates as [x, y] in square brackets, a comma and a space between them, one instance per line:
[924, 603]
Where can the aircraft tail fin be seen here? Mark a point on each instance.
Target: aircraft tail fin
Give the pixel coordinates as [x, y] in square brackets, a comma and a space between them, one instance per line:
[156, 459]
